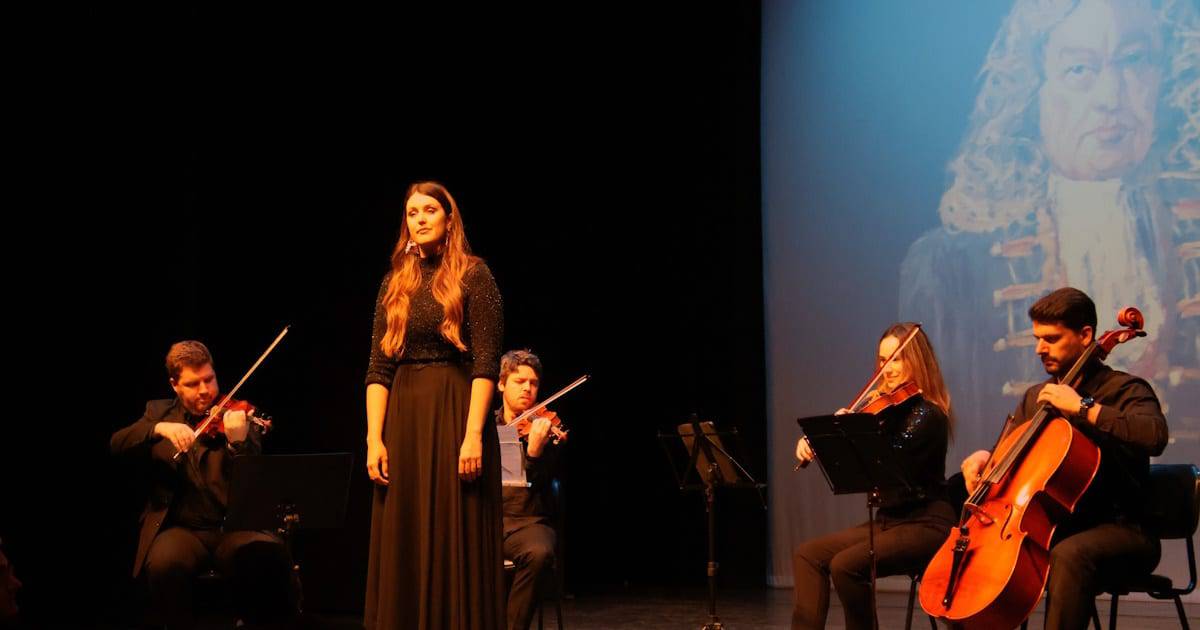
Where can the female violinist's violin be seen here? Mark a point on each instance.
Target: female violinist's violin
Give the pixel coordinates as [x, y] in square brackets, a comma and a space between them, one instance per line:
[873, 401]
[885, 400]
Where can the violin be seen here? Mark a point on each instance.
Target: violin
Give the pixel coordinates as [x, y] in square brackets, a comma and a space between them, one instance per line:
[217, 425]
[883, 400]
[524, 421]
[557, 428]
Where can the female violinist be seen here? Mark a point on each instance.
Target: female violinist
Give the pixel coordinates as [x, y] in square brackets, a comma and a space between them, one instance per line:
[911, 524]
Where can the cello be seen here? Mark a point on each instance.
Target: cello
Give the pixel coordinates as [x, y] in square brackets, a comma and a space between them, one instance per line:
[991, 571]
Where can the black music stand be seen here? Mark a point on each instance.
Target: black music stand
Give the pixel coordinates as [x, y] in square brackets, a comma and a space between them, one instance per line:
[284, 493]
[856, 457]
[714, 467]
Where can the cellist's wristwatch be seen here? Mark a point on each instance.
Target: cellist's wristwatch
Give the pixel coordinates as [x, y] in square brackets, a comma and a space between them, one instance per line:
[1085, 403]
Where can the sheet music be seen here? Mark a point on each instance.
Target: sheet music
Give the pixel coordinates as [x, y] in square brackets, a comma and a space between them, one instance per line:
[512, 457]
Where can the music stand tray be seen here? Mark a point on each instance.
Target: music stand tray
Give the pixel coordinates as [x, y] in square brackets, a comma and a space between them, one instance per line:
[285, 492]
[854, 454]
[708, 452]
[856, 457]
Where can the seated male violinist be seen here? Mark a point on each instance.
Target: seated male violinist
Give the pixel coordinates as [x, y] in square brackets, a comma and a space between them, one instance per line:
[1120, 412]
[181, 532]
[529, 539]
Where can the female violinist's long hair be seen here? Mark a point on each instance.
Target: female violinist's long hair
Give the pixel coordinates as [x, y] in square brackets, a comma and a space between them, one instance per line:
[447, 280]
[922, 365]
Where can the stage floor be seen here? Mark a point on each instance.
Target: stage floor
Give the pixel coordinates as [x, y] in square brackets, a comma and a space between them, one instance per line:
[770, 609]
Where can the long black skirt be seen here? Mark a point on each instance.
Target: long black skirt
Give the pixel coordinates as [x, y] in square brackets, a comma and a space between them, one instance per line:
[436, 541]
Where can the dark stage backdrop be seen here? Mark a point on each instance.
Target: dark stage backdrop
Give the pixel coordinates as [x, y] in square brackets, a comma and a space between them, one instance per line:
[217, 175]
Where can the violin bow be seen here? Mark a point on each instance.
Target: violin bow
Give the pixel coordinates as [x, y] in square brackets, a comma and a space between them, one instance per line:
[879, 371]
[212, 413]
[542, 405]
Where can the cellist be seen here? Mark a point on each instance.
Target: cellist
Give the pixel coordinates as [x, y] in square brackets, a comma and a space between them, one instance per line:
[911, 523]
[1122, 415]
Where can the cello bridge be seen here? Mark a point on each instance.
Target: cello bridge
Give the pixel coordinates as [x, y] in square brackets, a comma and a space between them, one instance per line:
[980, 513]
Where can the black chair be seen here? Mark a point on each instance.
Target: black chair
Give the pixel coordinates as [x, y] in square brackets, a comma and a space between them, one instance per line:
[255, 597]
[1172, 512]
[1095, 615]
[912, 599]
[510, 568]
[956, 492]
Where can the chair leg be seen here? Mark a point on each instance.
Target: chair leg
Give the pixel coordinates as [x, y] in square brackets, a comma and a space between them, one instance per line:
[541, 605]
[1183, 622]
[1112, 614]
[1096, 616]
[912, 596]
[558, 594]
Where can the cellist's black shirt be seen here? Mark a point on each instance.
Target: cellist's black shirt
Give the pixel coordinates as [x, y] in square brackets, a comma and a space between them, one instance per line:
[1129, 430]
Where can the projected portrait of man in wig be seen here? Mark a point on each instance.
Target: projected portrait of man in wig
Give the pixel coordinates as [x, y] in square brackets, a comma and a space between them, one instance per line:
[1080, 167]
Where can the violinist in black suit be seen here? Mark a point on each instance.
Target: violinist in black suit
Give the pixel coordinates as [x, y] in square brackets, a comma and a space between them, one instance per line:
[181, 533]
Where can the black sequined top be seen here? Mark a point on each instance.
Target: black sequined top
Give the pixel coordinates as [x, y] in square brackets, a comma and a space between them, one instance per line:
[918, 430]
[482, 330]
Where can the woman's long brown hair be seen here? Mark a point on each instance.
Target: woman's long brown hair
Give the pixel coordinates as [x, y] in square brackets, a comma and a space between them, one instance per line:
[923, 368]
[447, 280]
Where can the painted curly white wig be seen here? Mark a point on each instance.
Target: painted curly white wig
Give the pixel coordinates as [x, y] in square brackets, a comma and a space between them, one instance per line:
[999, 177]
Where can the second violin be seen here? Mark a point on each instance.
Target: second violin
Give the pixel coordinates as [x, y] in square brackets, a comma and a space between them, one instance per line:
[557, 428]
[524, 422]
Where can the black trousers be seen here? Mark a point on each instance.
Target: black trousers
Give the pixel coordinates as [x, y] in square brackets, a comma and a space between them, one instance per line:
[1080, 562]
[179, 554]
[531, 550]
[901, 547]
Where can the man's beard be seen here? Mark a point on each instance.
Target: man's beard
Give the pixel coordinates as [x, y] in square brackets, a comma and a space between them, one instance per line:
[1061, 367]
